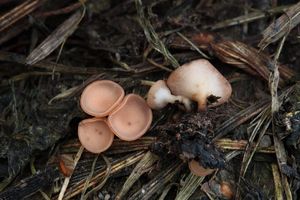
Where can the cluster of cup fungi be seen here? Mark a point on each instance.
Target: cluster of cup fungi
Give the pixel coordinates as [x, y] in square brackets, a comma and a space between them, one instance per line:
[129, 117]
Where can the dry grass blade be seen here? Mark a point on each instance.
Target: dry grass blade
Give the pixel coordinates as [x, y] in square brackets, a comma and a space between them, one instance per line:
[262, 123]
[18, 13]
[282, 160]
[31, 185]
[157, 183]
[142, 167]
[278, 144]
[239, 118]
[115, 167]
[49, 66]
[191, 183]
[61, 11]
[118, 146]
[152, 36]
[193, 45]
[281, 26]
[90, 176]
[261, 127]
[277, 182]
[249, 59]
[58, 36]
[22, 76]
[166, 191]
[228, 144]
[99, 186]
[65, 94]
[67, 179]
[13, 31]
[274, 79]
[256, 15]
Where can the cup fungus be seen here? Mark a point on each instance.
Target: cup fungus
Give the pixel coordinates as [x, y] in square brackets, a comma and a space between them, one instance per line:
[95, 135]
[198, 170]
[131, 119]
[160, 95]
[100, 97]
[226, 190]
[198, 81]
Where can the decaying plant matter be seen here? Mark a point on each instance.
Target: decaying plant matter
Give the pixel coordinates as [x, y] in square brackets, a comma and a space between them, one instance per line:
[246, 148]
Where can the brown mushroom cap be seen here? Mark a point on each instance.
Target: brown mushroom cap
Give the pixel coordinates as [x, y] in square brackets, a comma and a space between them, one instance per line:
[95, 135]
[198, 80]
[226, 190]
[100, 97]
[131, 119]
[159, 95]
[198, 170]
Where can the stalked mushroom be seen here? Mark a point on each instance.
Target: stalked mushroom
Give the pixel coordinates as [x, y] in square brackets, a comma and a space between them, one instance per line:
[100, 97]
[131, 119]
[199, 170]
[95, 135]
[199, 80]
[160, 96]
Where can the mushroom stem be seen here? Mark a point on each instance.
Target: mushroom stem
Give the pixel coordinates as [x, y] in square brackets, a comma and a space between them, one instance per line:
[202, 104]
[160, 95]
[185, 101]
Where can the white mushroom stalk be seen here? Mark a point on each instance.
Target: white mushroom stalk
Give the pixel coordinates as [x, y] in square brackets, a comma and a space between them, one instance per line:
[160, 96]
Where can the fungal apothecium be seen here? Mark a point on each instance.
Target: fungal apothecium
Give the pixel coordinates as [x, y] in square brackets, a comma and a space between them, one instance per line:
[95, 135]
[198, 169]
[197, 80]
[130, 117]
[100, 97]
[127, 117]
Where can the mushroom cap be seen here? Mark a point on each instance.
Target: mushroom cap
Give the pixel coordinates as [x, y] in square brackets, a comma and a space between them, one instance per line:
[100, 97]
[226, 190]
[198, 80]
[158, 95]
[198, 170]
[131, 119]
[95, 135]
